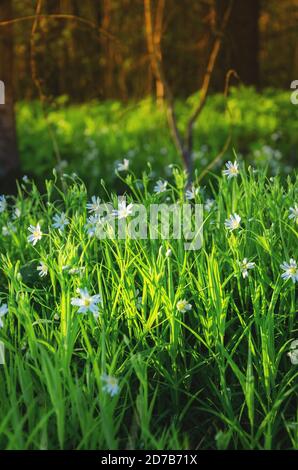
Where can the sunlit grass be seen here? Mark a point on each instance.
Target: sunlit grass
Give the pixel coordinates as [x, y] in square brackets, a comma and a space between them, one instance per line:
[94, 137]
[216, 375]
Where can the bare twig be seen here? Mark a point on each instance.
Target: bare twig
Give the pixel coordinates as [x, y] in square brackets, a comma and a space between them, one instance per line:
[159, 74]
[231, 73]
[62, 16]
[184, 144]
[207, 77]
[34, 71]
[154, 48]
[157, 34]
[37, 82]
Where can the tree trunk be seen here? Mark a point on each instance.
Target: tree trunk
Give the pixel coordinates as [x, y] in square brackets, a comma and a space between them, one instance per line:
[157, 34]
[9, 162]
[107, 50]
[153, 37]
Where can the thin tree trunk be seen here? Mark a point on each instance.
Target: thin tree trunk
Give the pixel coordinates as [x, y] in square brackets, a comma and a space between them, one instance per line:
[153, 36]
[184, 144]
[107, 50]
[9, 162]
[157, 34]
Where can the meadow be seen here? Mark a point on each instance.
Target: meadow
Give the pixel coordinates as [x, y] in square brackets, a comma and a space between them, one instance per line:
[92, 138]
[139, 344]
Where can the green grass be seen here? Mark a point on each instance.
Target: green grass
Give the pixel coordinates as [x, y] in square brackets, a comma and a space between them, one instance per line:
[92, 137]
[217, 376]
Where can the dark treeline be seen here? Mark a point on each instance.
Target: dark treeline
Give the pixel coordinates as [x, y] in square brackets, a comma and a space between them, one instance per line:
[102, 49]
[74, 59]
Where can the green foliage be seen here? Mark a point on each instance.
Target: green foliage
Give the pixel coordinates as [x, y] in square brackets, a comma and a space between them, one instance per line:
[92, 137]
[216, 376]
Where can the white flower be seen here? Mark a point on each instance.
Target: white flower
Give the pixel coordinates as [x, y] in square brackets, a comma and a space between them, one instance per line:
[61, 166]
[123, 166]
[169, 169]
[111, 385]
[294, 213]
[232, 170]
[17, 213]
[182, 306]
[25, 179]
[293, 353]
[168, 253]
[94, 205]
[86, 302]
[290, 271]
[245, 265]
[8, 229]
[42, 269]
[276, 135]
[3, 311]
[5, 231]
[191, 193]
[139, 299]
[160, 186]
[36, 234]
[60, 221]
[92, 224]
[131, 152]
[79, 270]
[3, 204]
[123, 210]
[233, 222]
[209, 204]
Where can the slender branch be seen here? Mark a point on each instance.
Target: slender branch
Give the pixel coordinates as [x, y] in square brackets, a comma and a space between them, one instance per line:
[37, 81]
[33, 65]
[216, 159]
[159, 74]
[207, 78]
[157, 33]
[183, 145]
[231, 73]
[62, 16]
